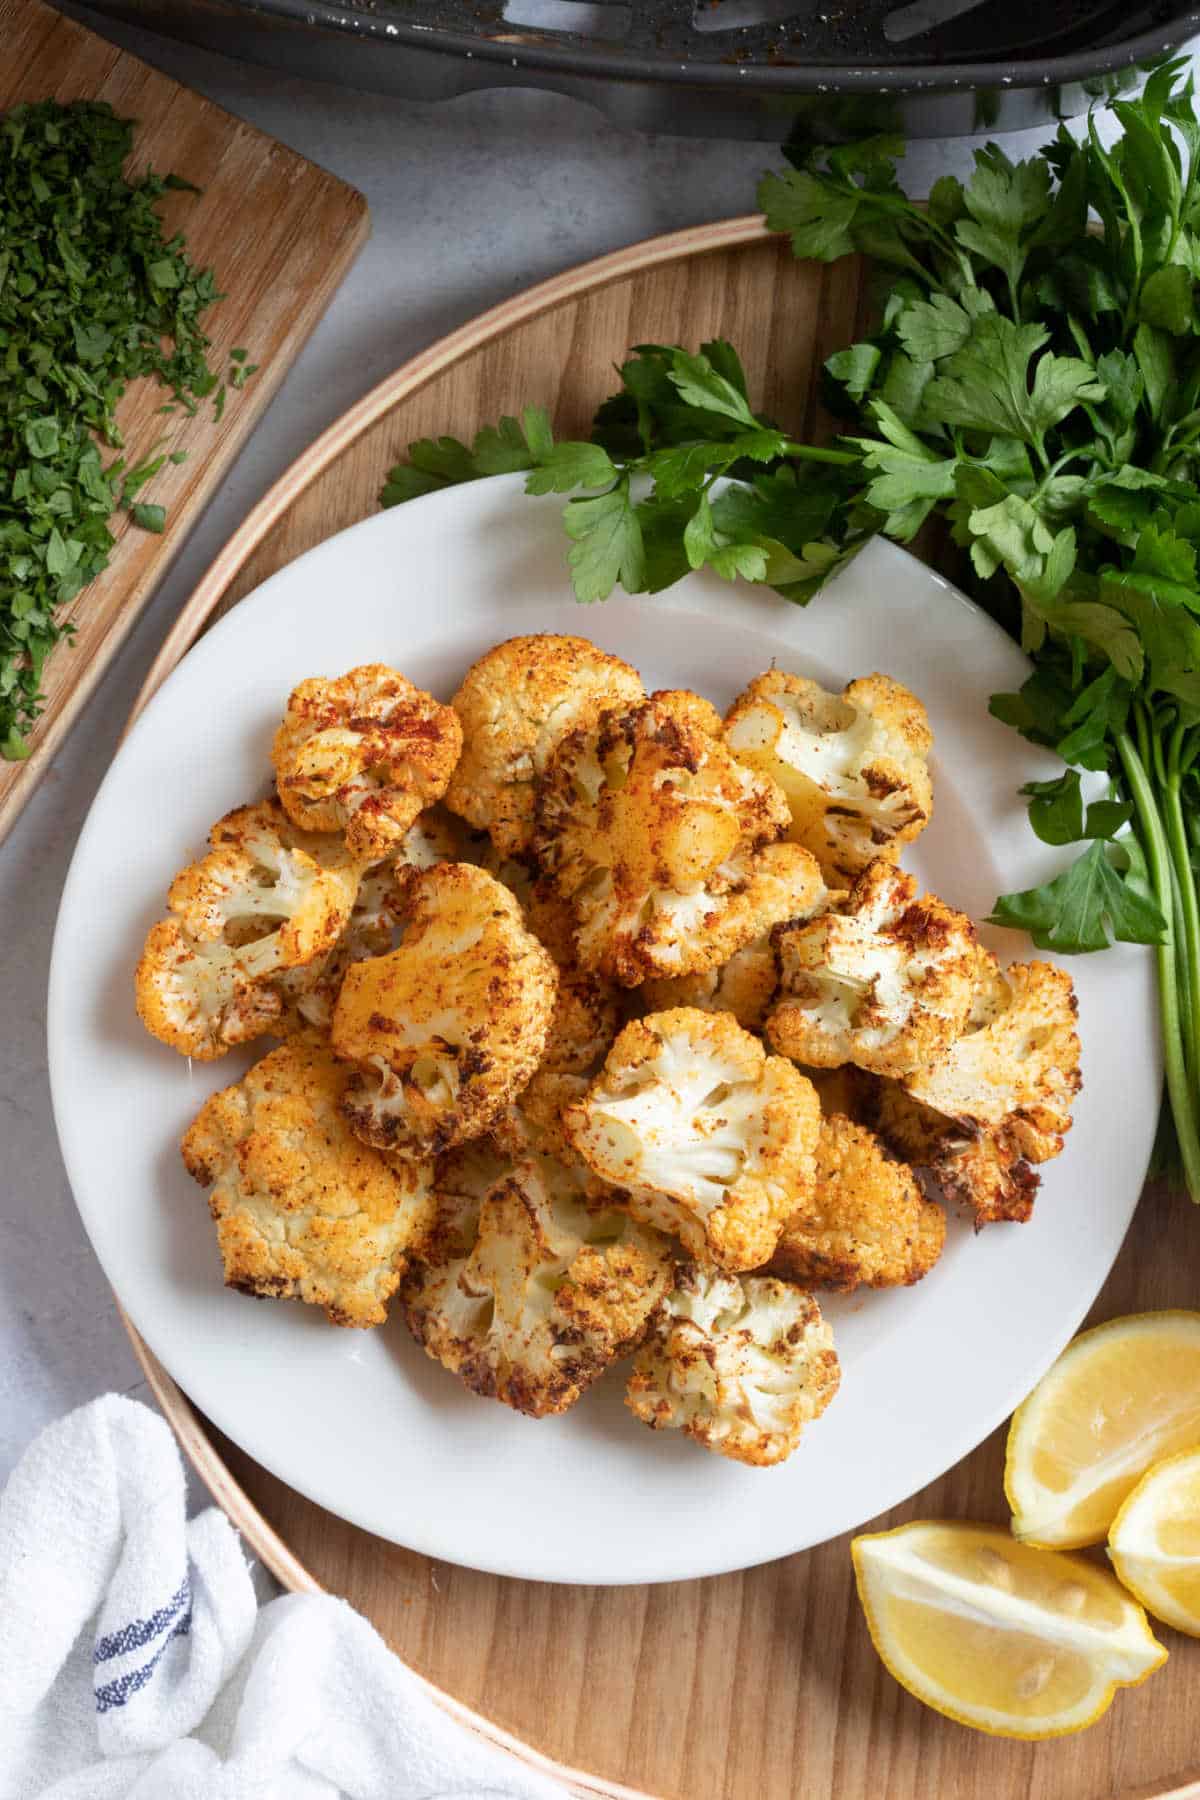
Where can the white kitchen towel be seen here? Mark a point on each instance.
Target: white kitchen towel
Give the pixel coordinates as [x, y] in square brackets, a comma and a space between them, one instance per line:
[135, 1663]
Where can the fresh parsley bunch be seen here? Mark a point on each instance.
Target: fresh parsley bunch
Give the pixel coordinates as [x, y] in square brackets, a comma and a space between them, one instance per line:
[1035, 382]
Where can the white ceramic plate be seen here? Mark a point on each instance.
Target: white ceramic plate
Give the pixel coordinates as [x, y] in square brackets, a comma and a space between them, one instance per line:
[362, 1422]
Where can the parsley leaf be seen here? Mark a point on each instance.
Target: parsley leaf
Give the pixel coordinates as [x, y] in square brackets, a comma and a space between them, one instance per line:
[606, 546]
[1085, 908]
[1058, 816]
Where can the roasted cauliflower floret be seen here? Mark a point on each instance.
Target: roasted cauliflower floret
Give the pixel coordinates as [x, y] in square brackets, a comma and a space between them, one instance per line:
[847, 1090]
[885, 981]
[1019, 1066]
[529, 1291]
[999, 1101]
[744, 986]
[516, 704]
[364, 754]
[311, 994]
[854, 768]
[448, 1027]
[741, 1363]
[713, 1138]
[302, 1209]
[267, 901]
[587, 1017]
[588, 1011]
[664, 845]
[436, 837]
[867, 1223]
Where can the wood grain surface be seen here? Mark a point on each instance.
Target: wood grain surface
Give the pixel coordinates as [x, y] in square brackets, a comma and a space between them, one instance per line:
[280, 234]
[761, 1685]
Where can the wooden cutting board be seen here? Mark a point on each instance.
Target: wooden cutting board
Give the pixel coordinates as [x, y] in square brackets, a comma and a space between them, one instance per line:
[761, 1685]
[280, 234]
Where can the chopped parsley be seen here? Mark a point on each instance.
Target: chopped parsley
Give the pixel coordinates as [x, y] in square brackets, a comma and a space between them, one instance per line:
[92, 296]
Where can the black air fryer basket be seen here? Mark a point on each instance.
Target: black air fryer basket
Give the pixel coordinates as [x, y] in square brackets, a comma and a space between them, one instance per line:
[773, 69]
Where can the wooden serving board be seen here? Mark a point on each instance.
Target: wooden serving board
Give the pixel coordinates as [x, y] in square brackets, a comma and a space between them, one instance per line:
[280, 234]
[762, 1685]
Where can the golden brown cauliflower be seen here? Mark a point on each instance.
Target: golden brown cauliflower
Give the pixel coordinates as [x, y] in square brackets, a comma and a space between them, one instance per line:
[847, 1090]
[884, 981]
[588, 1011]
[447, 1028]
[741, 1363]
[713, 1138]
[664, 845]
[302, 1209]
[999, 1101]
[854, 768]
[516, 704]
[744, 986]
[867, 1223]
[587, 1017]
[532, 1280]
[267, 901]
[364, 753]
[310, 994]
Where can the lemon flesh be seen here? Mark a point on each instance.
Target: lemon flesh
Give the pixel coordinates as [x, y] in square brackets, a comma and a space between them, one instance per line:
[1012, 1640]
[1118, 1400]
[1155, 1542]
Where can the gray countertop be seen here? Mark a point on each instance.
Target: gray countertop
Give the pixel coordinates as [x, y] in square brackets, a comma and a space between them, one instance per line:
[471, 200]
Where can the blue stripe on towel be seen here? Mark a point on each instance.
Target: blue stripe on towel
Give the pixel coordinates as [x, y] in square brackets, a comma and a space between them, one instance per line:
[141, 1631]
[116, 1693]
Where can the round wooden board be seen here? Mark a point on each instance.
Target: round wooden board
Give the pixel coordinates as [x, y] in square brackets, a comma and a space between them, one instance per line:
[762, 1684]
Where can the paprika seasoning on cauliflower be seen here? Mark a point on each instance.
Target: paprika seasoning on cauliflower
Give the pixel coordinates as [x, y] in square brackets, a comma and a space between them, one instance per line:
[854, 767]
[712, 1137]
[587, 1011]
[267, 902]
[740, 1363]
[999, 1101]
[364, 754]
[883, 981]
[303, 1209]
[532, 1279]
[446, 1029]
[516, 703]
[744, 986]
[866, 1223]
[665, 846]
[310, 994]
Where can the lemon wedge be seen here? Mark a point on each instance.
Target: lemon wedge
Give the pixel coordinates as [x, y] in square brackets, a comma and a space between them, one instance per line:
[1118, 1399]
[1155, 1541]
[995, 1634]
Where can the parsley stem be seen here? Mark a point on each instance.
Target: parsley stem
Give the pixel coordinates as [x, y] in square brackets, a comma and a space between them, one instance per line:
[816, 453]
[1188, 906]
[1158, 858]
